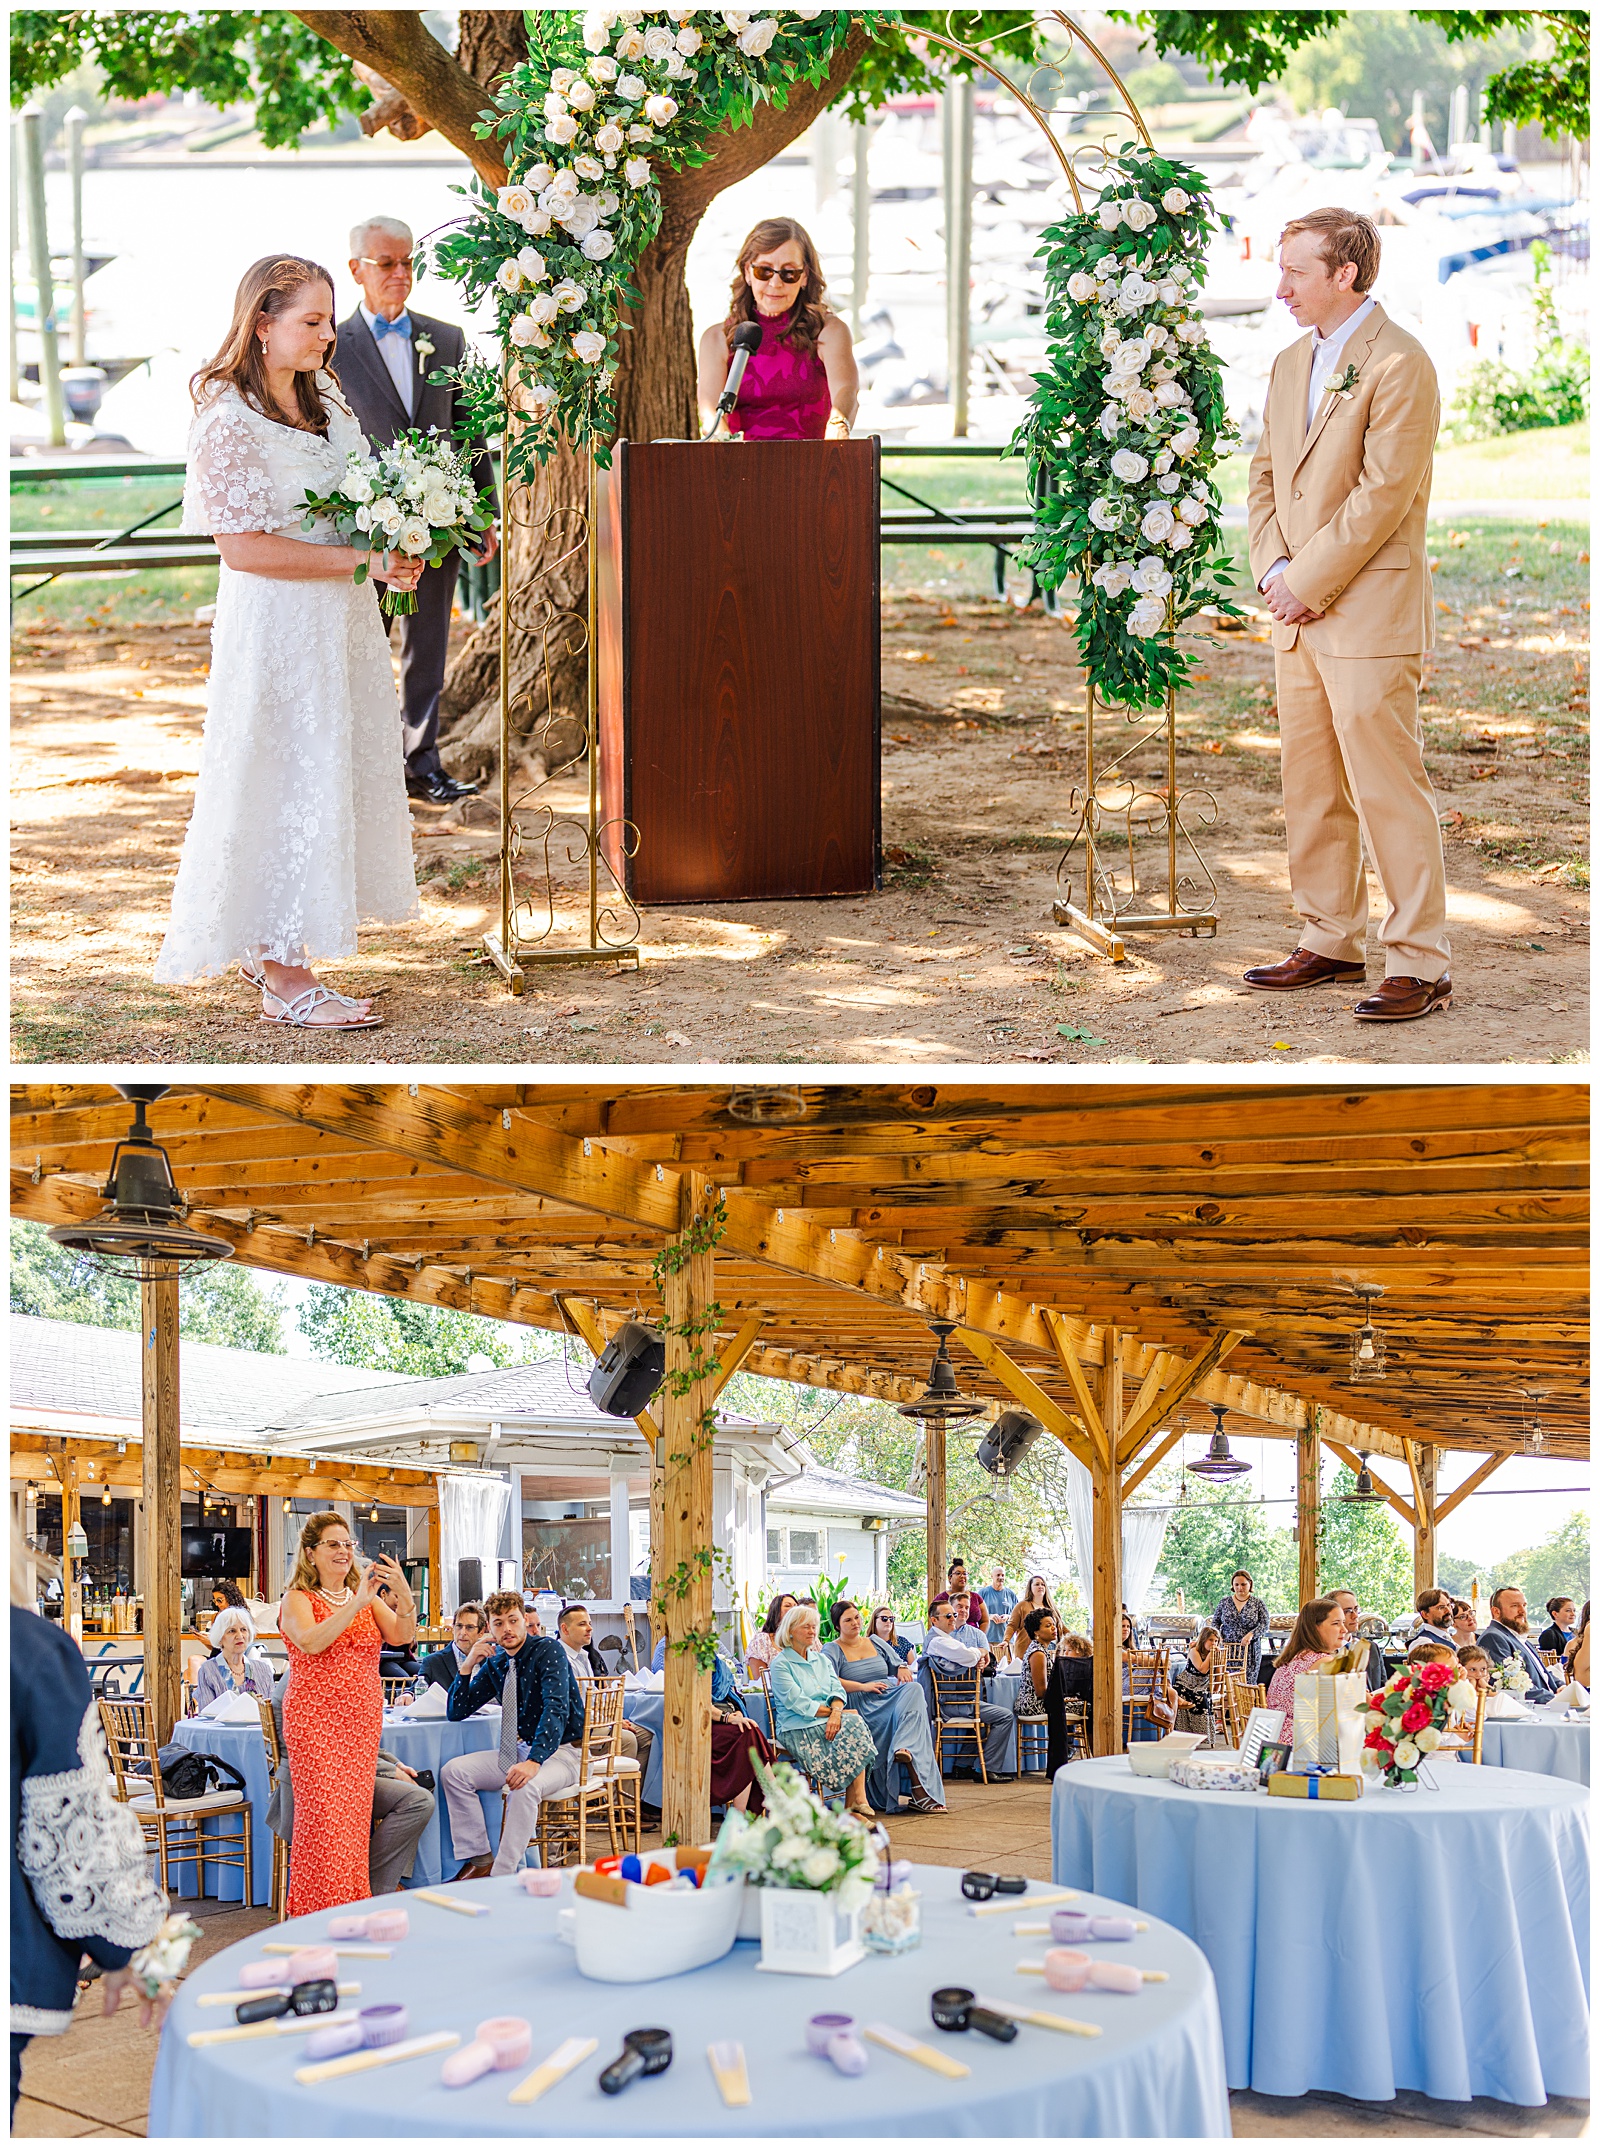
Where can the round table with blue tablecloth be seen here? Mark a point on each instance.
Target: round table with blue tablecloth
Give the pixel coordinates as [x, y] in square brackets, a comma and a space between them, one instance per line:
[1541, 1744]
[422, 1745]
[1155, 2071]
[1454, 1922]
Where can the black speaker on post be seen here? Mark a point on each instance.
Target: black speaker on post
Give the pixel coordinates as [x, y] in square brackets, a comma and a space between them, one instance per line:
[628, 1370]
[469, 1581]
[1007, 1441]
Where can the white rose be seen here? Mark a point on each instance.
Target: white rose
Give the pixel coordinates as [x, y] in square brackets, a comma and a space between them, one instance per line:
[363, 518]
[1184, 443]
[1110, 342]
[1163, 462]
[1150, 578]
[630, 88]
[1137, 292]
[603, 69]
[1426, 1740]
[522, 330]
[1167, 291]
[1109, 214]
[610, 139]
[1191, 332]
[1128, 466]
[1181, 539]
[562, 131]
[736, 19]
[1131, 355]
[1169, 395]
[539, 176]
[754, 41]
[675, 67]
[630, 45]
[1194, 512]
[1119, 386]
[1141, 403]
[508, 275]
[1111, 421]
[357, 485]
[542, 308]
[536, 223]
[569, 296]
[1105, 514]
[1113, 577]
[1175, 201]
[541, 396]
[581, 95]
[563, 188]
[789, 1852]
[1169, 481]
[1406, 1754]
[599, 245]
[1463, 1696]
[660, 111]
[579, 217]
[514, 201]
[1157, 522]
[554, 104]
[588, 346]
[388, 514]
[822, 1863]
[641, 134]
[589, 168]
[637, 171]
[595, 36]
[608, 201]
[1147, 617]
[532, 264]
[1080, 288]
[658, 42]
[1138, 215]
[689, 42]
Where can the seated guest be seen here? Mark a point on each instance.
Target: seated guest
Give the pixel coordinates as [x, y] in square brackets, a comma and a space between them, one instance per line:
[541, 1727]
[764, 1646]
[820, 1733]
[882, 1688]
[1075, 1666]
[1577, 1651]
[1563, 1615]
[401, 1810]
[1041, 1668]
[883, 1629]
[964, 1602]
[975, 1613]
[1432, 1652]
[1435, 1612]
[1318, 1636]
[1377, 1670]
[736, 1743]
[956, 1648]
[231, 1670]
[576, 1630]
[1190, 1678]
[1463, 1623]
[1475, 1665]
[1506, 1640]
[444, 1667]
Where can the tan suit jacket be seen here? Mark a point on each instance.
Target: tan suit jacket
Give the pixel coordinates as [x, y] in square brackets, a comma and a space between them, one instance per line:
[1347, 502]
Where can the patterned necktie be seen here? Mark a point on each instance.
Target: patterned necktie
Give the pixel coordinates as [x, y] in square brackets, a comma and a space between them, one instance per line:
[508, 1717]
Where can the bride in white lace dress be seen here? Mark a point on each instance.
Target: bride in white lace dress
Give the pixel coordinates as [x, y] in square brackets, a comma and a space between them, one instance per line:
[300, 830]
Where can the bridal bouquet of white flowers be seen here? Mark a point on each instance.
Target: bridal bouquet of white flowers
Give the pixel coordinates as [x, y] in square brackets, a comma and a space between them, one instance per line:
[415, 497]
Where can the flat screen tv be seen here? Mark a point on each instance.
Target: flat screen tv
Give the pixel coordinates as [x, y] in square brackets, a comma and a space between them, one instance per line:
[207, 1554]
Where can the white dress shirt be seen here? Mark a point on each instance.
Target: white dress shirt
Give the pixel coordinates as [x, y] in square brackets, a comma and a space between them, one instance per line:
[582, 1668]
[952, 1648]
[1325, 354]
[398, 356]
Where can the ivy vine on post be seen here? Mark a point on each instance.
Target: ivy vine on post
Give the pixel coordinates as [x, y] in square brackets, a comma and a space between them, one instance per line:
[698, 1332]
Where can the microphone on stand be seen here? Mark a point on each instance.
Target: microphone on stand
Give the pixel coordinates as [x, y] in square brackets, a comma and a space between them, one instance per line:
[746, 341]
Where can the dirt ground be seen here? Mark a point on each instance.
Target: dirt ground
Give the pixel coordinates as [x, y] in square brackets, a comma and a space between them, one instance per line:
[957, 959]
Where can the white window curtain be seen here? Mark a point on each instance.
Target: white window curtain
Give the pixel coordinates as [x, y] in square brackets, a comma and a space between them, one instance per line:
[1143, 1533]
[472, 1520]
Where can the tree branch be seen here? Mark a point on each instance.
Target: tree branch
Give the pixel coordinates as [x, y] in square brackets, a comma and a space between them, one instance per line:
[395, 45]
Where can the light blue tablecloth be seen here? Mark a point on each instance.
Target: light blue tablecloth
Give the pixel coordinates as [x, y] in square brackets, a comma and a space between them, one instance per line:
[1540, 1747]
[1157, 2070]
[421, 1745]
[1453, 1923]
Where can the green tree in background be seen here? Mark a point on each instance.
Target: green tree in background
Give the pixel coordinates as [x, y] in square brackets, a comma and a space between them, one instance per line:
[224, 1303]
[356, 1327]
[1370, 65]
[1363, 1548]
[1217, 1529]
[1557, 1567]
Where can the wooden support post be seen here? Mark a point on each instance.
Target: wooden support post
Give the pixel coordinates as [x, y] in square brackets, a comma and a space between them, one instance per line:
[1424, 1460]
[435, 1574]
[1307, 1503]
[70, 1512]
[682, 1565]
[1107, 1591]
[933, 1432]
[162, 1492]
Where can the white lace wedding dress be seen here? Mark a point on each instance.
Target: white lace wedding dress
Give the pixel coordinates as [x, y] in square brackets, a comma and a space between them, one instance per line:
[300, 830]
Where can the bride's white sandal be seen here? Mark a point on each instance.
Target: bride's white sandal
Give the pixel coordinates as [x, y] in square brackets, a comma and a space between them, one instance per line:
[296, 1011]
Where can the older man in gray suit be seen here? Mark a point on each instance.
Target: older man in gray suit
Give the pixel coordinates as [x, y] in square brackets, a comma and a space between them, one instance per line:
[401, 1810]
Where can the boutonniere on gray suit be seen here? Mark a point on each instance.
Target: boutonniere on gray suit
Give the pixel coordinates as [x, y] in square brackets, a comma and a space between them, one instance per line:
[424, 351]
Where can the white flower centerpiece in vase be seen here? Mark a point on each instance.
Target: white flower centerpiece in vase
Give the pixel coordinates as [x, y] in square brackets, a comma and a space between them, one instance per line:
[813, 1867]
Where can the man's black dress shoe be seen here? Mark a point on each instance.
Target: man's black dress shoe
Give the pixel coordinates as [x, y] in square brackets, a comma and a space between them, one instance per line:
[440, 789]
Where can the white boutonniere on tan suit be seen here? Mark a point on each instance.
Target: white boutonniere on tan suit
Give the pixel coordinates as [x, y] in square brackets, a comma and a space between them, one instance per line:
[1345, 386]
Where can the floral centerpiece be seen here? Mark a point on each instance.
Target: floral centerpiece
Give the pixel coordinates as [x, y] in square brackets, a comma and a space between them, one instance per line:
[815, 1866]
[1510, 1677]
[415, 496]
[1128, 422]
[1407, 1718]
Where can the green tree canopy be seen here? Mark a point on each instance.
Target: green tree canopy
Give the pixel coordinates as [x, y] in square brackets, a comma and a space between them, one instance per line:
[1557, 1567]
[356, 1327]
[224, 1303]
[1363, 1548]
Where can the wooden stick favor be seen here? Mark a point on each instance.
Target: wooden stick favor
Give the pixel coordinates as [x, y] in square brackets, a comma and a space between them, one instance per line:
[908, 2047]
[264, 1991]
[728, 2068]
[362, 1953]
[1042, 2021]
[285, 2025]
[1042, 1931]
[555, 2068]
[1001, 1906]
[385, 2055]
[1151, 1976]
[450, 1901]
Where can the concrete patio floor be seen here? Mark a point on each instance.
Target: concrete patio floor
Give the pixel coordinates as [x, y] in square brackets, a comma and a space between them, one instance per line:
[94, 2082]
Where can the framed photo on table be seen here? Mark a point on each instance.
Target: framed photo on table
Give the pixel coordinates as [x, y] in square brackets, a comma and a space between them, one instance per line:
[1264, 1726]
[1274, 1759]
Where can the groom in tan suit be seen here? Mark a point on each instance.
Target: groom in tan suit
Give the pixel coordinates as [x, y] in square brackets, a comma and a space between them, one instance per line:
[1338, 547]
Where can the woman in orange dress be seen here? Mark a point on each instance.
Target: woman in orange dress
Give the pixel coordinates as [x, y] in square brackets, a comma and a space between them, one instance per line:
[333, 1709]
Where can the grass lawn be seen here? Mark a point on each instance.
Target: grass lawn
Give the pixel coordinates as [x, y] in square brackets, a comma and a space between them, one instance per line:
[1551, 464]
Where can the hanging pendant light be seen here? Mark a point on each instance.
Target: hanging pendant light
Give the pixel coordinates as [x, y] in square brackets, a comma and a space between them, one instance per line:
[1532, 1421]
[1365, 1490]
[1368, 1345]
[142, 1232]
[941, 1401]
[1217, 1464]
[767, 1104]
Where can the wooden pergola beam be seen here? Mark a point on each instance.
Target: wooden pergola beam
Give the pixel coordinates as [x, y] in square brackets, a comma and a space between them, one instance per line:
[1352, 1462]
[1152, 1457]
[1065, 1344]
[1106, 1583]
[1144, 1421]
[1031, 1395]
[1484, 1471]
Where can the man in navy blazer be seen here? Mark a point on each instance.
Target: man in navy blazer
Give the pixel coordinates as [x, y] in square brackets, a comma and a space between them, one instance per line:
[384, 356]
[1505, 1639]
[445, 1666]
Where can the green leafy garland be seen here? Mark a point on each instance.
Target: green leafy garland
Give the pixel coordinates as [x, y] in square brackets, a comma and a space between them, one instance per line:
[702, 1236]
[605, 101]
[1128, 421]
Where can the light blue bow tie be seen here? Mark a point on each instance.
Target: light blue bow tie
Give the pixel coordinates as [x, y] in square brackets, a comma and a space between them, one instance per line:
[401, 326]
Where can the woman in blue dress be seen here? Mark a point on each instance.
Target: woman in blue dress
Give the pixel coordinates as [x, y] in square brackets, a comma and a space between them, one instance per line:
[813, 1725]
[882, 1688]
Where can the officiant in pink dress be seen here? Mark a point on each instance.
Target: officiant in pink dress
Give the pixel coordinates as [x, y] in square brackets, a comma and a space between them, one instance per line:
[801, 383]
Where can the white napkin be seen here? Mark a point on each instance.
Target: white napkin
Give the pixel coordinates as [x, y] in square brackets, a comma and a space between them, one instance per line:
[430, 1704]
[1572, 1695]
[232, 1708]
[645, 1681]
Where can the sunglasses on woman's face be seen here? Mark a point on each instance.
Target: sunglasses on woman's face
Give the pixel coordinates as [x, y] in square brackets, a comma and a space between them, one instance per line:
[788, 275]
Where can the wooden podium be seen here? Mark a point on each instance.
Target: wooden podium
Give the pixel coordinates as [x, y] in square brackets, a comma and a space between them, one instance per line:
[737, 650]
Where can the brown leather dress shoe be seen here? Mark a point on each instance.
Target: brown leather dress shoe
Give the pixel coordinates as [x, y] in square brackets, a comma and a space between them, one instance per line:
[1402, 999]
[474, 1868]
[1301, 970]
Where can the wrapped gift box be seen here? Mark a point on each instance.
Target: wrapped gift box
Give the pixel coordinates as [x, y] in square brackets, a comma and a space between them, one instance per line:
[1283, 1784]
